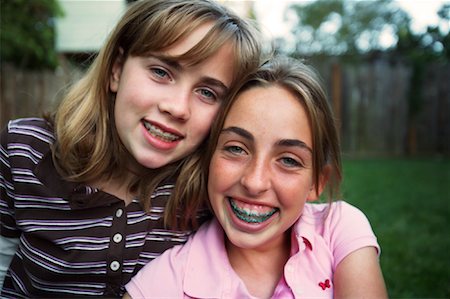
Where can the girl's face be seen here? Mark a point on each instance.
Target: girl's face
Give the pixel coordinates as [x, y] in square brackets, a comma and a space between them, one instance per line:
[260, 175]
[164, 108]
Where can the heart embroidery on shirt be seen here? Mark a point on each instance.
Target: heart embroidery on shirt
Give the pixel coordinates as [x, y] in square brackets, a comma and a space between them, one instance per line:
[325, 284]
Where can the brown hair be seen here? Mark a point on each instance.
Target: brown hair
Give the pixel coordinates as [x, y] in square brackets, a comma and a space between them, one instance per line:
[88, 146]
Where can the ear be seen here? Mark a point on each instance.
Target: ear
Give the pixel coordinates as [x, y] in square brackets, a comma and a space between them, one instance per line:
[116, 71]
[323, 180]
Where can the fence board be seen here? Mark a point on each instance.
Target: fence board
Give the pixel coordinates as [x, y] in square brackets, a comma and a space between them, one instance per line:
[374, 117]
[26, 93]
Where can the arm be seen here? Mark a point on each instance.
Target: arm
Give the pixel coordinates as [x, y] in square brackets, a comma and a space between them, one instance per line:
[7, 250]
[359, 275]
[126, 296]
[8, 239]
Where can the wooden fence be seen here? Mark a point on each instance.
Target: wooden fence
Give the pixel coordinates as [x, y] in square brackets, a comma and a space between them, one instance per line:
[370, 100]
[25, 93]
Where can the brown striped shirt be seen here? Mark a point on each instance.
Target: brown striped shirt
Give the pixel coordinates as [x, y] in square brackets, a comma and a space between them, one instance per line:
[75, 241]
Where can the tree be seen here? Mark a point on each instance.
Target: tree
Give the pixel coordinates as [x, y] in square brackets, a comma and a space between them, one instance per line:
[421, 50]
[336, 27]
[444, 16]
[27, 33]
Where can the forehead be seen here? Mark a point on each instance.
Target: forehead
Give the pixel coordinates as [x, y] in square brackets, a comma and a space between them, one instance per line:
[200, 44]
[189, 41]
[270, 111]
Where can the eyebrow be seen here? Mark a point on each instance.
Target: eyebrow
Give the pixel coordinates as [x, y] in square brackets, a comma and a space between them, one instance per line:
[294, 142]
[217, 83]
[171, 62]
[283, 142]
[178, 66]
[239, 131]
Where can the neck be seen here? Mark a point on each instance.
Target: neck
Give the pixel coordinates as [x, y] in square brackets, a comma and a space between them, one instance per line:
[119, 187]
[260, 268]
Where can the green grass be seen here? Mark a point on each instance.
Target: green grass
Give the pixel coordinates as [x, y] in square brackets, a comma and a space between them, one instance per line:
[407, 203]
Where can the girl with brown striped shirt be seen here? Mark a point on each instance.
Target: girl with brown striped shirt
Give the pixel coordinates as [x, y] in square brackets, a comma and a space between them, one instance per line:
[96, 190]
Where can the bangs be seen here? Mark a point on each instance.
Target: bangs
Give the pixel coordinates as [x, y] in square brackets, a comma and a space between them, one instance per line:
[210, 44]
[156, 41]
[157, 31]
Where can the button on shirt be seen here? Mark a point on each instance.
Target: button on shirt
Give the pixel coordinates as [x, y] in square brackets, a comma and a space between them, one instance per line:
[200, 268]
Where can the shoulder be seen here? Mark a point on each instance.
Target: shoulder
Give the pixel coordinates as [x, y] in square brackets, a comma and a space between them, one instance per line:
[28, 130]
[335, 214]
[26, 140]
[350, 230]
[340, 226]
[345, 215]
[341, 211]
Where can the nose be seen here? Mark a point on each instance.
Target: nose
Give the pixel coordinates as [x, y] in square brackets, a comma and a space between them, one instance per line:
[177, 104]
[256, 178]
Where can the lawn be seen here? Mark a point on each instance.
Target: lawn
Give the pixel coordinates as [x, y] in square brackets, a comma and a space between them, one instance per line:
[407, 203]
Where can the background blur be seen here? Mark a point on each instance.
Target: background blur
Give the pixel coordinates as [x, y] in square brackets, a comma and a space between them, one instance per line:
[388, 79]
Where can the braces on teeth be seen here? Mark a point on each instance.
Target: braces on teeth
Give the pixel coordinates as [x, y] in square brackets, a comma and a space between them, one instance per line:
[158, 133]
[251, 217]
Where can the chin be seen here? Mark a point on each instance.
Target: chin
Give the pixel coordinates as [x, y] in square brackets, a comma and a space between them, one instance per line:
[245, 242]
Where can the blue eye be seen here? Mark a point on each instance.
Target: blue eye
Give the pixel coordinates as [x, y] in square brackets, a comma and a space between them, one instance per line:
[207, 95]
[290, 162]
[159, 72]
[234, 149]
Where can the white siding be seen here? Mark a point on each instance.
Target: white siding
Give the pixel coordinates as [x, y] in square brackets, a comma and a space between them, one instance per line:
[86, 24]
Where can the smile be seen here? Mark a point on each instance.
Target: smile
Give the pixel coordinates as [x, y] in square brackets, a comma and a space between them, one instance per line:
[250, 216]
[160, 134]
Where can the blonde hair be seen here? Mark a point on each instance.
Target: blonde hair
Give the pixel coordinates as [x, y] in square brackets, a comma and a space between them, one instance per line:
[303, 82]
[88, 146]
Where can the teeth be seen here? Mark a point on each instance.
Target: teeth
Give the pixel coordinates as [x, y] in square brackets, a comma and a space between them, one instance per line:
[250, 216]
[157, 132]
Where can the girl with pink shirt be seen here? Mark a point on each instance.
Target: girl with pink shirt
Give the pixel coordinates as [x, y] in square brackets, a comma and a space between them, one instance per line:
[273, 151]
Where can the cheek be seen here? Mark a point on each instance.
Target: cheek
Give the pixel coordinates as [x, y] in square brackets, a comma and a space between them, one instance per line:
[204, 115]
[213, 181]
[134, 95]
[220, 175]
[119, 119]
[293, 193]
[213, 171]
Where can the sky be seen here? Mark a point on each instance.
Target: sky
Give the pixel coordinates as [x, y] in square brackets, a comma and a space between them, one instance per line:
[422, 12]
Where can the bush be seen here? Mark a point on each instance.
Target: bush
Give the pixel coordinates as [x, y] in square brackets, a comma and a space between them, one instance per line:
[27, 33]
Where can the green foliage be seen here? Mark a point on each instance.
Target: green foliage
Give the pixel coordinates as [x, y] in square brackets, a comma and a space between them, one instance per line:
[27, 33]
[432, 46]
[406, 202]
[444, 15]
[336, 27]
[340, 27]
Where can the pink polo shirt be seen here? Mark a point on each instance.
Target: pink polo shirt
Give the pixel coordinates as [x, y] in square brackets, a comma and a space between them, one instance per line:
[200, 268]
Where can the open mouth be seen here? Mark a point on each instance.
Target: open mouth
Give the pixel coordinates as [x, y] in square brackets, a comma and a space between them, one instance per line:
[250, 216]
[160, 134]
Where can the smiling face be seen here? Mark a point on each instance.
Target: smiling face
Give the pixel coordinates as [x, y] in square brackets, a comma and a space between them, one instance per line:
[260, 175]
[164, 108]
